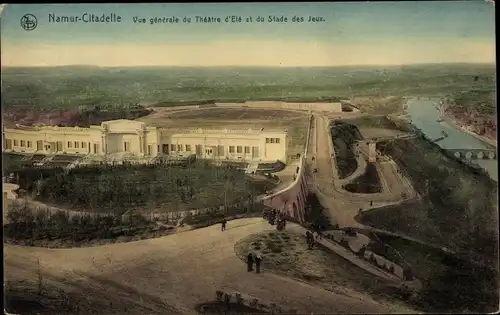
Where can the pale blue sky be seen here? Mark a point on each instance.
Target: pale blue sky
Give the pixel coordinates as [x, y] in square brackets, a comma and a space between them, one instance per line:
[405, 32]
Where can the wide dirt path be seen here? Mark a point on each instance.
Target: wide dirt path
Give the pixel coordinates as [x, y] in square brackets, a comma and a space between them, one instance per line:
[159, 276]
[342, 205]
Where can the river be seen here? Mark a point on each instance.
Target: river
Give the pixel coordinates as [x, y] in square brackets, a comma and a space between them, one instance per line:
[424, 115]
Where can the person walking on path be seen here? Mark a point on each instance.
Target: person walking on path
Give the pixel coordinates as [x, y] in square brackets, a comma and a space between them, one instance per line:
[258, 259]
[308, 238]
[250, 262]
[223, 224]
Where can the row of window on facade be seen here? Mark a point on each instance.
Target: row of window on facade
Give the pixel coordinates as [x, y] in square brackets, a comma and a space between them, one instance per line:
[9, 143]
[272, 140]
[188, 148]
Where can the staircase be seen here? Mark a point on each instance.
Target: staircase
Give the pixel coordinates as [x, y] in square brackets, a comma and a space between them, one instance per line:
[252, 168]
[48, 158]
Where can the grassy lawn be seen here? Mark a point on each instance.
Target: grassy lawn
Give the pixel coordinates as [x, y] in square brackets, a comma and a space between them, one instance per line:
[286, 253]
[367, 123]
[478, 100]
[457, 203]
[71, 87]
[379, 105]
[458, 211]
[344, 138]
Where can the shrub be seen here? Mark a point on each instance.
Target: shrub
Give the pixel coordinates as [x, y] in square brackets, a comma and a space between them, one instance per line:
[219, 295]
[20, 213]
[37, 224]
[239, 298]
[254, 302]
[227, 298]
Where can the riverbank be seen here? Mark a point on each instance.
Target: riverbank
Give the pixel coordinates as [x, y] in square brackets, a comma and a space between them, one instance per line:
[423, 114]
[455, 124]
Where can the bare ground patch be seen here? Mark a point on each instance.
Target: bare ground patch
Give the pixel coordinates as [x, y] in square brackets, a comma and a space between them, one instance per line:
[233, 113]
[295, 123]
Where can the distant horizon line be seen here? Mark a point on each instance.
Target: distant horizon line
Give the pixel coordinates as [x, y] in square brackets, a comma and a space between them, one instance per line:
[255, 66]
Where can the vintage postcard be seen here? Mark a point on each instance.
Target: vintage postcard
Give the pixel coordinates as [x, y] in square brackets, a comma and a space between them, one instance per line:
[249, 158]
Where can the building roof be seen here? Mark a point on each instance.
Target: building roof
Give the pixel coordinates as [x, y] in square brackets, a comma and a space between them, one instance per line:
[122, 124]
[225, 131]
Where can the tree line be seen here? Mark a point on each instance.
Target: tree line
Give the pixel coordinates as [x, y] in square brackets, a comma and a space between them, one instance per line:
[117, 188]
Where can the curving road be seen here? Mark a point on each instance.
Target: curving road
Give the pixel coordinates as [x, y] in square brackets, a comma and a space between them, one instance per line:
[172, 274]
[344, 206]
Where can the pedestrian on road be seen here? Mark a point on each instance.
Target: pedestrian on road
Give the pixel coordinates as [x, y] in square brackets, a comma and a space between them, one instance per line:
[250, 262]
[223, 224]
[258, 259]
[371, 203]
[310, 239]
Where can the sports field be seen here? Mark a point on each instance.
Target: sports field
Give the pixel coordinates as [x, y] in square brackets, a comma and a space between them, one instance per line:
[236, 118]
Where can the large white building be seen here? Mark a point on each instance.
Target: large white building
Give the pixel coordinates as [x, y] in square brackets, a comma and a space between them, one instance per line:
[135, 138]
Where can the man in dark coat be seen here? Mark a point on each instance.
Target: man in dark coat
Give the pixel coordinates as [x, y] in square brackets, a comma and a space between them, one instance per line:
[223, 224]
[258, 259]
[308, 239]
[250, 262]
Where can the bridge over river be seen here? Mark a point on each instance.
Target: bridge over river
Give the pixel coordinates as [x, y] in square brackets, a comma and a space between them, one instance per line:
[423, 115]
[473, 154]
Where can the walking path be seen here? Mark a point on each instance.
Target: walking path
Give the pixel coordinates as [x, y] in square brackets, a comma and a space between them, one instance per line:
[343, 206]
[346, 253]
[156, 276]
[9, 190]
[396, 187]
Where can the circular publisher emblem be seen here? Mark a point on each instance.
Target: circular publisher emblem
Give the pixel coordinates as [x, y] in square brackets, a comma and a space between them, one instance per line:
[29, 22]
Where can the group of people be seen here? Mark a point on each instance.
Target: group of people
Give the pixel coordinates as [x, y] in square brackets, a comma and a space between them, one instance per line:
[271, 216]
[281, 224]
[277, 218]
[251, 259]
